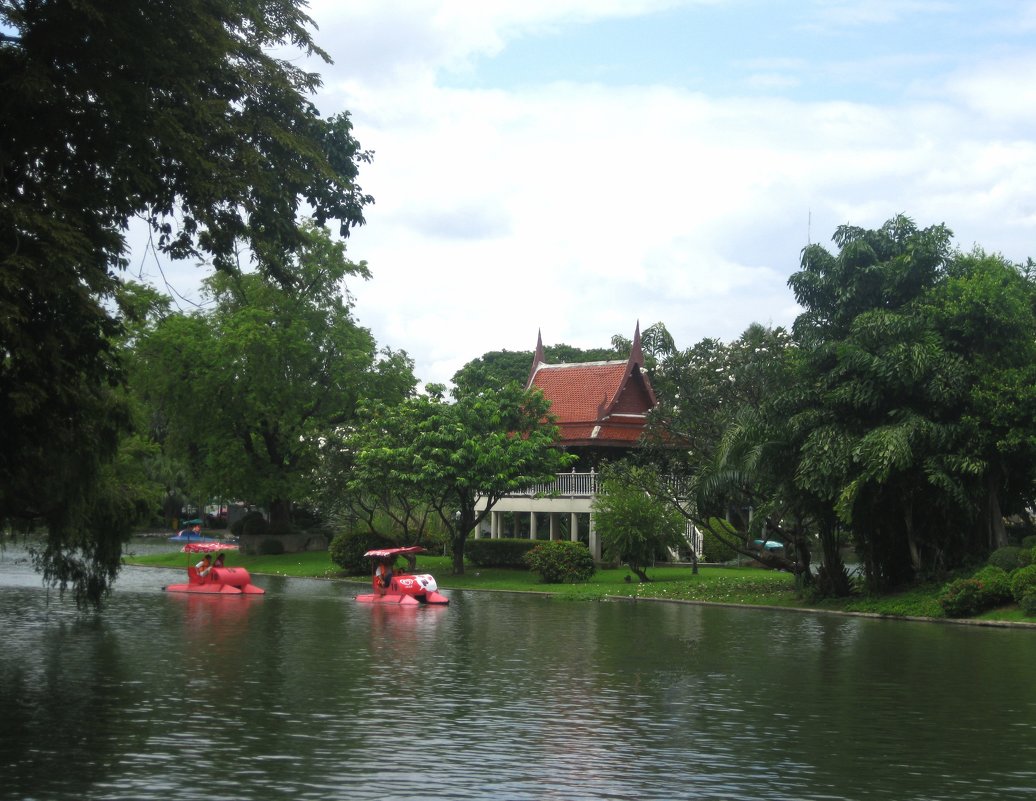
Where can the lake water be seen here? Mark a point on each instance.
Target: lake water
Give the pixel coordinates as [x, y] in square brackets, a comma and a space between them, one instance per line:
[305, 694]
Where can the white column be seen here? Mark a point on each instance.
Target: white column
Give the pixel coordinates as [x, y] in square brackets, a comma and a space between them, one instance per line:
[574, 527]
[532, 525]
[595, 542]
[553, 517]
[515, 528]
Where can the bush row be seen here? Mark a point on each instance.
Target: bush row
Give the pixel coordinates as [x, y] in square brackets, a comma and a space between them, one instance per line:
[498, 553]
[1009, 575]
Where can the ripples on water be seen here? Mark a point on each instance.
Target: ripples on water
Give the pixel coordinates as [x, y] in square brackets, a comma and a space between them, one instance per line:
[304, 694]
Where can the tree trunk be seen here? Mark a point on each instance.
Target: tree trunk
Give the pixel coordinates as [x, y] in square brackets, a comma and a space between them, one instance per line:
[997, 530]
[834, 568]
[458, 554]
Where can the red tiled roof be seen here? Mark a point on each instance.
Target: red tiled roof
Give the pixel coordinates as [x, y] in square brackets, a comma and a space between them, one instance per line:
[596, 402]
[579, 393]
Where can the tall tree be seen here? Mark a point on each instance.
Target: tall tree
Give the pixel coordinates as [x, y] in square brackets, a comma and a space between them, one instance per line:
[253, 387]
[176, 113]
[705, 392]
[984, 312]
[451, 455]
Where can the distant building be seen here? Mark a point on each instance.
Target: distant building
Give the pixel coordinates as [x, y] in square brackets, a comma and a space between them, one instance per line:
[601, 407]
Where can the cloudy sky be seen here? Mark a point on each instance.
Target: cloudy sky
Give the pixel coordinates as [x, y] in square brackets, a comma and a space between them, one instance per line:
[574, 166]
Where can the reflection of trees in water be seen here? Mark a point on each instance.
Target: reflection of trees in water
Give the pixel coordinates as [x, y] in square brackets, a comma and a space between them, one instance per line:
[62, 712]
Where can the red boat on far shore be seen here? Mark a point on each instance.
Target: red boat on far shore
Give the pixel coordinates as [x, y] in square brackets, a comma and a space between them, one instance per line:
[393, 586]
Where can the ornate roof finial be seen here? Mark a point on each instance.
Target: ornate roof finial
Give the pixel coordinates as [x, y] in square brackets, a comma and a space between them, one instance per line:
[636, 351]
[537, 358]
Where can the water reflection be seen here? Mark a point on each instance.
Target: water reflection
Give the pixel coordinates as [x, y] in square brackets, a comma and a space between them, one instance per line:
[304, 694]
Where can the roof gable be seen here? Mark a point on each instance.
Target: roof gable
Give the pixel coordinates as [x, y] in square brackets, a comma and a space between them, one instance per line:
[602, 402]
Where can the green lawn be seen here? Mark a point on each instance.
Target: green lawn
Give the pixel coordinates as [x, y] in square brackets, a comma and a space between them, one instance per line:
[730, 585]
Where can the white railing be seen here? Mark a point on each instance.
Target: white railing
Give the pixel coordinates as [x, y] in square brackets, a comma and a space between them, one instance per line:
[566, 485]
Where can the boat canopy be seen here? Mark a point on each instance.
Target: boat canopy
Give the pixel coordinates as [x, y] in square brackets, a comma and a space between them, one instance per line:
[387, 553]
[208, 547]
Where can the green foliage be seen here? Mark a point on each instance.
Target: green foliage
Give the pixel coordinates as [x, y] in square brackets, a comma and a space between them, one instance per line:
[281, 528]
[719, 548]
[269, 546]
[1023, 580]
[635, 527]
[503, 552]
[496, 369]
[190, 116]
[454, 455]
[254, 525]
[1028, 603]
[988, 588]
[347, 550]
[560, 561]
[300, 364]
[962, 598]
[237, 528]
[996, 586]
[1010, 557]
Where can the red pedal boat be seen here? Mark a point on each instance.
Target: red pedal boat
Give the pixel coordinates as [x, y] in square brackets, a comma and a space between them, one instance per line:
[393, 586]
[217, 580]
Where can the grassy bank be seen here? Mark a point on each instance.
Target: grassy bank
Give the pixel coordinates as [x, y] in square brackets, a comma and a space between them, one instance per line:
[729, 585]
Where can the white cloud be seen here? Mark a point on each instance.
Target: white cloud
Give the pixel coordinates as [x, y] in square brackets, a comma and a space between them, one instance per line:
[581, 208]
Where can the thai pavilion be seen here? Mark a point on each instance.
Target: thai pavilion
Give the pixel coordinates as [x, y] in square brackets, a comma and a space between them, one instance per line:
[601, 410]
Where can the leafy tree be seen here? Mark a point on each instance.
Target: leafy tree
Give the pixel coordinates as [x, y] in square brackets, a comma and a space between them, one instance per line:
[176, 113]
[656, 341]
[251, 389]
[872, 409]
[984, 312]
[635, 526]
[451, 455]
[706, 434]
[496, 369]
[912, 414]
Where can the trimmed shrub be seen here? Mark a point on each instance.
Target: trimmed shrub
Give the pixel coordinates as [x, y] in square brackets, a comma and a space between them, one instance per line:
[996, 586]
[714, 549]
[559, 561]
[269, 546]
[347, 550]
[281, 528]
[962, 598]
[499, 553]
[1022, 581]
[1010, 557]
[252, 523]
[1028, 603]
[1029, 542]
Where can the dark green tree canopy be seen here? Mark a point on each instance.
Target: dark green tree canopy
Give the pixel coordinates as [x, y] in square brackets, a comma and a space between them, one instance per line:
[180, 115]
[253, 387]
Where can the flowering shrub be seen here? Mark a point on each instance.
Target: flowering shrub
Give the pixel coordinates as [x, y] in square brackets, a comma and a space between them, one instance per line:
[996, 586]
[962, 598]
[559, 561]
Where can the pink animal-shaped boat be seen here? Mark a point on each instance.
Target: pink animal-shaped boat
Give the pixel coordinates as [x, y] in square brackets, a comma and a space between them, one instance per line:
[393, 586]
[218, 580]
